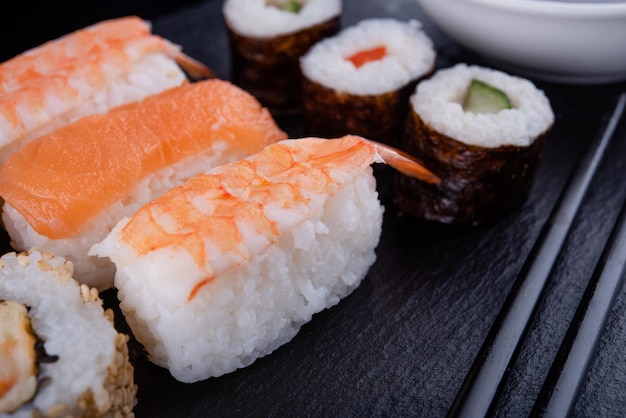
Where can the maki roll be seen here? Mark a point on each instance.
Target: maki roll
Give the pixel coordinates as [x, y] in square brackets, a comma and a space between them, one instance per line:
[482, 132]
[267, 38]
[60, 354]
[359, 81]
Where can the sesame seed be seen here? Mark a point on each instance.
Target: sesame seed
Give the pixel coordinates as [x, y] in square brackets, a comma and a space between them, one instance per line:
[23, 260]
[70, 267]
[85, 292]
[56, 410]
[43, 265]
[47, 255]
[61, 274]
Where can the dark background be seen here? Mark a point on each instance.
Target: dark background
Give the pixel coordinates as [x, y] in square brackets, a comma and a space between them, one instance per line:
[26, 24]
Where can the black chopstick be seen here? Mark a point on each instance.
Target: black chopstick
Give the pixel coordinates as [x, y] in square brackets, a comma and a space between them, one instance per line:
[489, 370]
[564, 381]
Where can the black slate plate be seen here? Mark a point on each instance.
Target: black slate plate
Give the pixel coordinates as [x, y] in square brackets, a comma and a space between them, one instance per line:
[403, 343]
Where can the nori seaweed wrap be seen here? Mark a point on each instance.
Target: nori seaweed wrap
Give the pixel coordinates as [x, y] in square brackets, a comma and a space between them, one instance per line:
[330, 113]
[359, 81]
[486, 162]
[266, 42]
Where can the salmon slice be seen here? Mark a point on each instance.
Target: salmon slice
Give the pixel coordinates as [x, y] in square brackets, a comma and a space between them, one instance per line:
[61, 181]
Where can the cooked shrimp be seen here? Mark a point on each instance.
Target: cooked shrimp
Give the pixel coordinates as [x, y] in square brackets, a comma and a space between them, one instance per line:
[241, 207]
[87, 71]
[227, 266]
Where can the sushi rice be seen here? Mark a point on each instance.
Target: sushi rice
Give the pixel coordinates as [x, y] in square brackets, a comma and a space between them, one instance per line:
[88, 372]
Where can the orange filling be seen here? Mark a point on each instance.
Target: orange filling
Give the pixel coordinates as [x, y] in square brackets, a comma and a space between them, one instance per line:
[368, 55]
[8, 377]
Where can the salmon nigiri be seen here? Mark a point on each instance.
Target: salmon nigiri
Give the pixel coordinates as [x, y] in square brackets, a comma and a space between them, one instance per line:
[227, 266]
[88, 71]
[67, 189]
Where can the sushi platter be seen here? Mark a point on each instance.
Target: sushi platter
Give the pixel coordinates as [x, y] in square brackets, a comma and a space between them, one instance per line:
[484, 319]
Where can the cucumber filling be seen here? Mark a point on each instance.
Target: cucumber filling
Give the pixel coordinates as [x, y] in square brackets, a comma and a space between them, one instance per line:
[484, 98]
[293, 6]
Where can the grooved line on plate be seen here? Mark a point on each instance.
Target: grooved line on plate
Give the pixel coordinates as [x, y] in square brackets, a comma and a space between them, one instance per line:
[488, 372]
[564, 381]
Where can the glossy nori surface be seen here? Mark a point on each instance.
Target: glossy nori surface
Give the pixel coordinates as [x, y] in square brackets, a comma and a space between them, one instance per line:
[479, 184]
[269, 68]
[329, 113]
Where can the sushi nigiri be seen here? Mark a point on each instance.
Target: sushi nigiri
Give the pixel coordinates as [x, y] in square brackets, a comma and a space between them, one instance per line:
[228, 266]
[65, 190]
[88, 71]
[60, 354]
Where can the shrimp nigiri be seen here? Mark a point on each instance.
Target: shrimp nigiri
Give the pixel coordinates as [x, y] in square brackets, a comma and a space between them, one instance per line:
[226, 267]
[65, 190]
[88, 71]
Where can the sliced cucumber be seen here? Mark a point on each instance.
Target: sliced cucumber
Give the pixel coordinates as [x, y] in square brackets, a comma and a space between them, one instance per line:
[483, 98]
[293, 6]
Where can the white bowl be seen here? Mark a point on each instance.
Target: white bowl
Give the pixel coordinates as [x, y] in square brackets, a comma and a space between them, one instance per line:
[563, 41]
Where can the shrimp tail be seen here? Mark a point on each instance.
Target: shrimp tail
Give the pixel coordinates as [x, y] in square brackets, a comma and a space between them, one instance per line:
[194, 68]
[404, 163]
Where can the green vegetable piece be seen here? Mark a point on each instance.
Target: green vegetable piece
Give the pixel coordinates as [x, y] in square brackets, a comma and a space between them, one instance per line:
[293, 6]
[483, 98]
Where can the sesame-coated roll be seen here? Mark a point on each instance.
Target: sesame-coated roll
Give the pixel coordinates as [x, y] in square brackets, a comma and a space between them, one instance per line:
[359, 81]
[268, 37]
[482, 132]
[60, 355]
